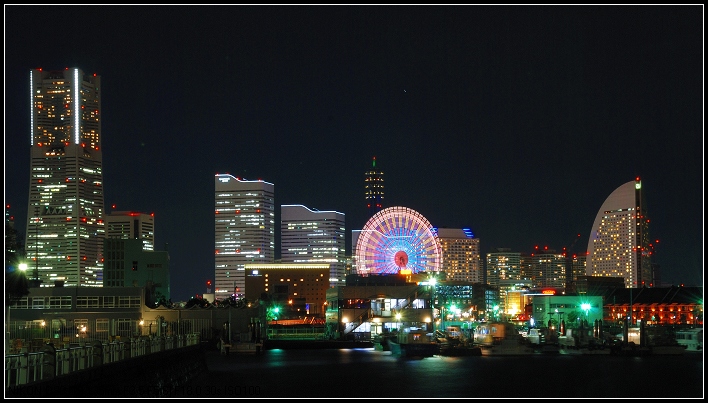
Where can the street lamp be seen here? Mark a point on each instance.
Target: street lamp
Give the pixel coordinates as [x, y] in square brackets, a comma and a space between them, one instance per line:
[585, 307]
[345, 320]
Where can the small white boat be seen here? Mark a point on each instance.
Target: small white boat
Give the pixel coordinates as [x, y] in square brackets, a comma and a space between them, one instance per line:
[690, 339]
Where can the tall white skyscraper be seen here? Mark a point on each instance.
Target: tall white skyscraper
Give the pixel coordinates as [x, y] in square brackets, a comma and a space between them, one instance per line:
[65, 229]
[244, 220]
[131, 225]
[619, 241]
[312, 236]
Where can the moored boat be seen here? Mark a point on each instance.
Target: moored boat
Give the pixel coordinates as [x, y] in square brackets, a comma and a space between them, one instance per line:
[690, 339]
[457, 349]
[413, 343]
[584, 351]
[381, 342]
[500, 339]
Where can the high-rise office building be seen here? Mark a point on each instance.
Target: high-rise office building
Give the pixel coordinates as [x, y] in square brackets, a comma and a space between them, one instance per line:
[460, 255]
[65, 229]
[576, 265]
[619, 241]
[503, 264]
[312, 236]
[14, 250]
[545, 268]
[374, 189]
[244, 220]
[131, 225]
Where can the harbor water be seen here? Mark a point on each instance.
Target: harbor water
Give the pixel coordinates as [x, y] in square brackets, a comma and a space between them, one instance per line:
[366, 372]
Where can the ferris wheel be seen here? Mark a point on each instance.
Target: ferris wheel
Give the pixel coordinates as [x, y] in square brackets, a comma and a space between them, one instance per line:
[398, 238]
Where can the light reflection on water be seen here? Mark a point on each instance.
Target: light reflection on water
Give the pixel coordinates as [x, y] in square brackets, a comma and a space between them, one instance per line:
[352, 373]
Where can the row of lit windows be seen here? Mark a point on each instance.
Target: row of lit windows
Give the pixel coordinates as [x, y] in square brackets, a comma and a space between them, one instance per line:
[65, 302]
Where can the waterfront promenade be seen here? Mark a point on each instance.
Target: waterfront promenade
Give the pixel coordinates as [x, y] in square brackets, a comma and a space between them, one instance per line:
[366, 372]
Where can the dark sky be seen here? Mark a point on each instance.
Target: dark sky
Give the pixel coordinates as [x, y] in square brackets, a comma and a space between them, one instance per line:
[514, 121]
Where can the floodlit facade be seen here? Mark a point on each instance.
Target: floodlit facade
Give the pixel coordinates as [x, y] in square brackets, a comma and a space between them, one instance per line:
[619, 241]
[131, 225]
[298, 289]
[460, 255]
[374, 188]
[312, 236]
[65, 228]
[244, 221]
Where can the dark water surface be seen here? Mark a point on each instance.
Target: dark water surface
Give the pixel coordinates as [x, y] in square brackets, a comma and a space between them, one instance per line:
[358, 373]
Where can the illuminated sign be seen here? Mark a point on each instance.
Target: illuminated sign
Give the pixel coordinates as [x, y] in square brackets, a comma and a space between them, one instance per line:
[548, 292]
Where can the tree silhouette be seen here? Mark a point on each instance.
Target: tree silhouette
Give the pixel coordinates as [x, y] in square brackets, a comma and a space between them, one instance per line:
[16, 282]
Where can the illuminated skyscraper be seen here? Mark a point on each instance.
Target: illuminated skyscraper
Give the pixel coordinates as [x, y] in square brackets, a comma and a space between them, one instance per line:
[503, 264]
[244, 219]
[311, 236]
[65, 229]
[619, 241]
[545, 268]
[460, 255]
[374, 189]
[131, 225]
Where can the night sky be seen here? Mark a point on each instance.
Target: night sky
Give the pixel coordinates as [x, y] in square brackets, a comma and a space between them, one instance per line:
[514, 121]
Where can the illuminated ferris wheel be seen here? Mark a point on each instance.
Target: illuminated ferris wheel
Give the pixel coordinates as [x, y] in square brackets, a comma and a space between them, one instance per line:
[397, 238]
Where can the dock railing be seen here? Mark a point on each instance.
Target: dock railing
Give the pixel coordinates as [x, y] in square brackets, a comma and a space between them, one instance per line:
[25, 367]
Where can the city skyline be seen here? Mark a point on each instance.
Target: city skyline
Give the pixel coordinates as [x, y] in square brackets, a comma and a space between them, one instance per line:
[516, 122]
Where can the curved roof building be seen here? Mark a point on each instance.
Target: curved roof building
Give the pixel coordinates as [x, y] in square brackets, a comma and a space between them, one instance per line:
[619, 241]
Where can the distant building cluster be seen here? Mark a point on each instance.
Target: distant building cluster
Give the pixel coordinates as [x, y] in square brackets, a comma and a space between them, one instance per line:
[402, 267]
[72, 240]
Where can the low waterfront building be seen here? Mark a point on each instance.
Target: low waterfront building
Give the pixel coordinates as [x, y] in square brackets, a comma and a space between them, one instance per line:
[299, 289]
[72, 315]
[375, 304]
